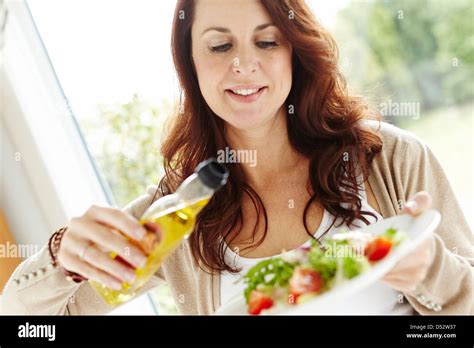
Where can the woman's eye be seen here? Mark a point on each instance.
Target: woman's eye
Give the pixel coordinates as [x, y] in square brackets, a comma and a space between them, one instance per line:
[260, 44]
[221, 48]
[266, 44]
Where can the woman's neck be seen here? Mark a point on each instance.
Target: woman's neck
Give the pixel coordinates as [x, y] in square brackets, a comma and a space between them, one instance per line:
[274, 153]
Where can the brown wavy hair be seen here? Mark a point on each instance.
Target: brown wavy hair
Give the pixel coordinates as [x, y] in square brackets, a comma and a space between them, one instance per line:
[325, 128]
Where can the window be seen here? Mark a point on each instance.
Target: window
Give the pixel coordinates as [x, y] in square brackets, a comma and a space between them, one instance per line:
[113, 62]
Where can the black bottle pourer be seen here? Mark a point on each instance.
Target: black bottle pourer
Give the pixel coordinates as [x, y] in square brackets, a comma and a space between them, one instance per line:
[212, 173]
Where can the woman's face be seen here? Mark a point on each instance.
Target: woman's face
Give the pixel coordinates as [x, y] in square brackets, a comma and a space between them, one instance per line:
[243, 63]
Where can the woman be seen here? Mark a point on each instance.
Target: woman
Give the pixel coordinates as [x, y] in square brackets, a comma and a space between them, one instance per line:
[262, 76]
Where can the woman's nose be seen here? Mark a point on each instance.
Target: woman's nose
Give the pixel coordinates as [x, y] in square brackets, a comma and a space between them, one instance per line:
[244, 64]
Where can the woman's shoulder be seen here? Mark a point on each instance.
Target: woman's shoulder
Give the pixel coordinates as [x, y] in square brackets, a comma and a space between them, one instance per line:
[396, 141]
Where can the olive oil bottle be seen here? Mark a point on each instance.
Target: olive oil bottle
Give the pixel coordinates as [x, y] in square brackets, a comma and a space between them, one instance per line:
[175, 217]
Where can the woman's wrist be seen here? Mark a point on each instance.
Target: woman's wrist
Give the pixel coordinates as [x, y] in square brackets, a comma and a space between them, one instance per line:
[54, 245]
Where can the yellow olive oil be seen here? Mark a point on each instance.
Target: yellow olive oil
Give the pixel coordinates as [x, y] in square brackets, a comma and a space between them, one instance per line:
[168, 221]
[174, 226]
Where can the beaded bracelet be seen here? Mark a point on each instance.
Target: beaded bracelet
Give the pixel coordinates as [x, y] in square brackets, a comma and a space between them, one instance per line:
[53, 246]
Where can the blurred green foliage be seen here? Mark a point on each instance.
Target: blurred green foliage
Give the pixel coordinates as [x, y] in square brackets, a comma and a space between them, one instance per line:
[409, 51]
[125, 141]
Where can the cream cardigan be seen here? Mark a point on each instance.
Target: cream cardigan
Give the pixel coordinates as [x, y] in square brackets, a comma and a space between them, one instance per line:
[404, 167]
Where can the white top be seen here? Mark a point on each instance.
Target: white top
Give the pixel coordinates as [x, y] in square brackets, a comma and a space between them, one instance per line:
[375, 299]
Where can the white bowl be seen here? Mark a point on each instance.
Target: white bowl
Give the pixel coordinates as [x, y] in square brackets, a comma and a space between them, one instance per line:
[416, 229]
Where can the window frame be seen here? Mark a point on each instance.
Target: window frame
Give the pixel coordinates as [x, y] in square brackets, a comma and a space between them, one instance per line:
[65, 177]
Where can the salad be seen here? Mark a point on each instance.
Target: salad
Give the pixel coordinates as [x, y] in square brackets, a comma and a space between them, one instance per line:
[306, 272]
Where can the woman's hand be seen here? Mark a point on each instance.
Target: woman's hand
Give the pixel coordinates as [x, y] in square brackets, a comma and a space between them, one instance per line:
[412, 269]
[89, 239]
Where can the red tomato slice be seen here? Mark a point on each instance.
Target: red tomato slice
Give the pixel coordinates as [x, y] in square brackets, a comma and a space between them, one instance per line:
[303, 281]
[378, 248]
[258, 301]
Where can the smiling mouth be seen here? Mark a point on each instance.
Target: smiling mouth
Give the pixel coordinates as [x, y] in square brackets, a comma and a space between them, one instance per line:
[245, 92]
[246, 95]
